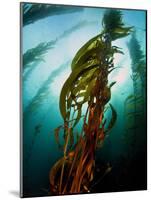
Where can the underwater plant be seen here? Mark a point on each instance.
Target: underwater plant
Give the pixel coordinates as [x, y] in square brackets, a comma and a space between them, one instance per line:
[76, 27]
[32, 57]
[35, 12]
[43, 91]
[135, 104]
[138, 61]
[36, 54]
[87, 85]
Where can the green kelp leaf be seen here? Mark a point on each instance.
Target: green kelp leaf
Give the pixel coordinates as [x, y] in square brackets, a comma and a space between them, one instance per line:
[68, 115]
[89, 90]
[76, 73]
[111, 84]
[69, 102]
[84, 81]
[124, 30]
[78, 115]
[81, 94]
[87, 93]
[77, 88]
[114, 50]
[120, 35]
[113, 119]
[85, 97]
[88, 56]
[89, 45]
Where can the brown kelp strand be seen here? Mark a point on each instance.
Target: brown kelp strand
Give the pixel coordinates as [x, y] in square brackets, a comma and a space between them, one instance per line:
[87, 84]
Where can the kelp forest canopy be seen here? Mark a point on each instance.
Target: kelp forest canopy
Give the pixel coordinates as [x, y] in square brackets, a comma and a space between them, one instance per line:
[87, 83]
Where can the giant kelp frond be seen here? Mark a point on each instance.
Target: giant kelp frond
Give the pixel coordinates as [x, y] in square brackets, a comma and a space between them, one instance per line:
[85, 52]
[113, 24]
[79, 25]
[43, 91]
[136, 53]
[87, 85]
[112, 19]
[36, 54]
[32, 56]
[39, 11]
[77, 86]
[86, 65]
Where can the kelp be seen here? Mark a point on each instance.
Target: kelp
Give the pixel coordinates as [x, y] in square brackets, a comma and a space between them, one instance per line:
[136, 54]
[34, 12]
[43, 91]
[34, 56]
[87, 85]
[27, 74]
[135, 104]
[138, 64]
[79, 25]
[114, 26]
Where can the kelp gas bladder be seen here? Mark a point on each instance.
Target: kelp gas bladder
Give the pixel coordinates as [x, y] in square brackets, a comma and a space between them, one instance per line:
[87, 84]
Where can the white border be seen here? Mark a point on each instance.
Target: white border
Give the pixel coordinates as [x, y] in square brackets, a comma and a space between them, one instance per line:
[9, 99]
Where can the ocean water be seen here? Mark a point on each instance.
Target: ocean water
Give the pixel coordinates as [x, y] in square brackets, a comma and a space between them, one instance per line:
[124, 149]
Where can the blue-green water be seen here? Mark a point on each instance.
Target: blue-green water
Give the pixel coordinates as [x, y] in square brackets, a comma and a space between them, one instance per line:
[41, 113]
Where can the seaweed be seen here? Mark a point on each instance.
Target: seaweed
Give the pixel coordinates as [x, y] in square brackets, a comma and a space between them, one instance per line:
[35, 12]
[138, 60]
[32, 57]
[135, 104]
[87, 85]
[43, 92]
[138, 66]
[36, 54]
[79, 25]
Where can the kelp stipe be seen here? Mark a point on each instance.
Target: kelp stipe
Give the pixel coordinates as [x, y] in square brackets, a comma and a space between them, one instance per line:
[135, 104]
[87, 84]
